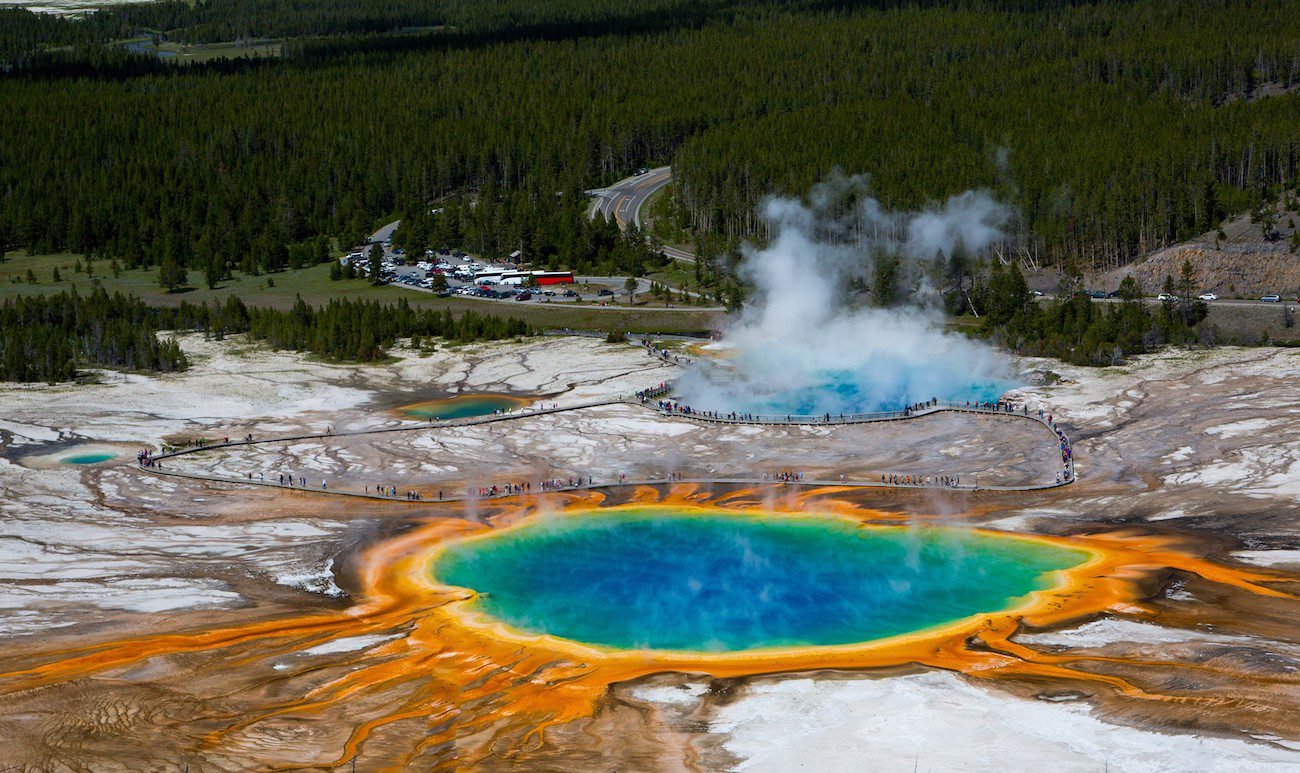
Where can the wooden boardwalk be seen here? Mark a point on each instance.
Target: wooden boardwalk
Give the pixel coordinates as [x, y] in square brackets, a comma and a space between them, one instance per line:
[651, 405]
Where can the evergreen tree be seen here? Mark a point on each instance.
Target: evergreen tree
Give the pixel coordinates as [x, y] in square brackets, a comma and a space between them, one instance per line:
[376, 265]
[171, 273]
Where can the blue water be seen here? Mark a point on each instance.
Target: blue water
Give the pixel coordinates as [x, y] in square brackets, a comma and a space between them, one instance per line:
[889, 384]
[848, 392]
[87, 458]
[655, 578]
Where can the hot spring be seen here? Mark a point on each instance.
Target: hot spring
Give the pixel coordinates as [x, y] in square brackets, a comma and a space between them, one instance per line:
[708, 580]
[463, 406]
[87, 458]
[885, 385]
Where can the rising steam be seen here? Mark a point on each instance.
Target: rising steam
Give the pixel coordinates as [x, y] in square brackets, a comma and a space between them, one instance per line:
[806, 343]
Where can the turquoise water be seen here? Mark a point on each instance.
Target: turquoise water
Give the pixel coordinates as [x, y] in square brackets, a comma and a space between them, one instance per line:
[654, 578]
[462, 407]
[847, 392]
[889, 385]
[87, 458]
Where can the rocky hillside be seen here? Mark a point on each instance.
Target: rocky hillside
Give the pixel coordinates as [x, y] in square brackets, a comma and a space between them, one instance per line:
[1235, 262]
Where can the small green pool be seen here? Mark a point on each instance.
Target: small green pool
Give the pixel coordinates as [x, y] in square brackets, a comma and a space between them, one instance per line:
[464, 406]
[94, 458]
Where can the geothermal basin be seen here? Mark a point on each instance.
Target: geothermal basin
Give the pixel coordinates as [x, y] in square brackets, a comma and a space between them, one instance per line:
[711, 580]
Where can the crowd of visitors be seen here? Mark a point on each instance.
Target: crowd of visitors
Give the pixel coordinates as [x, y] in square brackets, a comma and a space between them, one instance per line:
[672, 406]
[145, 459]
[646, 395]
[785, 476]
[1067, 452]
[664, 354]
[947, 481]
[505, 489]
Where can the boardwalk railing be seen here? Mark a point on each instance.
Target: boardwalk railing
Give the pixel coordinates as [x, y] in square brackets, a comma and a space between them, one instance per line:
[509, 415]
[930, 407]
[649, 398]
[737, 417]
[634, 398]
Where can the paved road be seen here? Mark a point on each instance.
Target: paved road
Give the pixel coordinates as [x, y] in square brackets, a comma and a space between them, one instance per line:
[1223, 302]
[384, 233]
[623, 201]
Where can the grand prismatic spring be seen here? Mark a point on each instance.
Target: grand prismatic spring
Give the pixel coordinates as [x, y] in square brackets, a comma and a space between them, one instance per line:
[715, 581]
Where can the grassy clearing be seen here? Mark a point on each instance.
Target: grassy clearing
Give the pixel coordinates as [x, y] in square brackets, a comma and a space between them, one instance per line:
[280, 290]
[171, 51]
[207, 52]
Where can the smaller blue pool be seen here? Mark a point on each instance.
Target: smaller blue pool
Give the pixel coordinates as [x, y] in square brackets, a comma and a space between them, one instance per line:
[464, 406]
[94, 458]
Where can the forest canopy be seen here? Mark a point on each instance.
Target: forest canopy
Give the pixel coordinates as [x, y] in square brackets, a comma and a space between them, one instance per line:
[52, 337]
[1113, 127]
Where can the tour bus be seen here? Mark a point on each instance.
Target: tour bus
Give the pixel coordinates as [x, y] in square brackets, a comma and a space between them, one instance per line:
[542, 277]
[488, 276]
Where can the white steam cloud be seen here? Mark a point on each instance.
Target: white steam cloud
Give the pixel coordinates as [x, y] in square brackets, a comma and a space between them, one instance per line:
[806, 345]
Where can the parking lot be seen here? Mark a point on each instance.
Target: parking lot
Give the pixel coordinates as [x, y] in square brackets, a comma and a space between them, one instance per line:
[470, 277]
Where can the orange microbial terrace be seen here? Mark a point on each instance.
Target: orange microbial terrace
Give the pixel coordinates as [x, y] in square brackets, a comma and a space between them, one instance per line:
[457, 673]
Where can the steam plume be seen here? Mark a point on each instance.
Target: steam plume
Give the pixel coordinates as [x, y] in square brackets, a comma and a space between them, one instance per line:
[807, 344]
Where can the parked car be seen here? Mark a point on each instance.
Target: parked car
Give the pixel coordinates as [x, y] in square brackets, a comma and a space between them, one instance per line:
[1036, 293]
[1271, 298]
[606, 291]
[525, 295]
[1208, 297]
[570, 294]
[1096, 294]
[1166, 297]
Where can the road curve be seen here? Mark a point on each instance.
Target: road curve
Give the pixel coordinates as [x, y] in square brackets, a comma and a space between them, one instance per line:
[623, 201]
